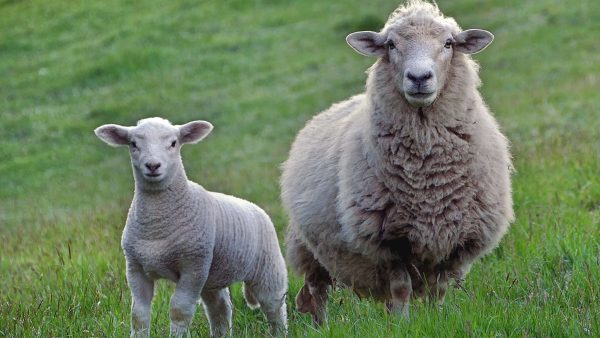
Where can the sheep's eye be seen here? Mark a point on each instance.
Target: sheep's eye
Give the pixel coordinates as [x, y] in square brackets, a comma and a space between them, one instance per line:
[391, 45]
[133, 144]
[173, 144]
[448, 43]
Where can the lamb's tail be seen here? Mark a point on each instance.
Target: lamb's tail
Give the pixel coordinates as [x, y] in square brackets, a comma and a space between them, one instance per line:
[251, 300]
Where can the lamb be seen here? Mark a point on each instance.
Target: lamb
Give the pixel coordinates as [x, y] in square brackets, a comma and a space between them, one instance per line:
[203, 241]
[397, 191]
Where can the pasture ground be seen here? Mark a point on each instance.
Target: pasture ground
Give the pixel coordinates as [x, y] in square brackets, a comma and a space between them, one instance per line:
[258, 70]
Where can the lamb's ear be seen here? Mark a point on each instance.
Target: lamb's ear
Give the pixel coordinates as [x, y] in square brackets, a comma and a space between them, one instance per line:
[472, 41]
[113, 134]
[194, 131]
[367, 43]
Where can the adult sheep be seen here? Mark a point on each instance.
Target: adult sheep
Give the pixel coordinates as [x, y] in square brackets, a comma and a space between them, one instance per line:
[396, 191]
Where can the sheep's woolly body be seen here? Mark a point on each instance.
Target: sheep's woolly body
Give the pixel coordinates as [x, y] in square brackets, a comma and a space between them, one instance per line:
[373, 181]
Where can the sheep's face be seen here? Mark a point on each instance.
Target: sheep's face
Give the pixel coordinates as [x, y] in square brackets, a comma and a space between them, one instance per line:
[154, 145]
[418, 54]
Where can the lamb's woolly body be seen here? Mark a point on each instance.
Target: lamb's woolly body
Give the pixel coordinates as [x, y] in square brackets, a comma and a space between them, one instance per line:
[187, 225]
[373, 182]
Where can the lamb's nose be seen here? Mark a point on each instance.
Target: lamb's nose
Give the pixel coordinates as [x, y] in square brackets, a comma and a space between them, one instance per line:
[419, 79]
[152, 166]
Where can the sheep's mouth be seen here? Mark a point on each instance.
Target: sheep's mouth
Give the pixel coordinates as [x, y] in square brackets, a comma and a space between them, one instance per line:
[420, 95]
[420, 99]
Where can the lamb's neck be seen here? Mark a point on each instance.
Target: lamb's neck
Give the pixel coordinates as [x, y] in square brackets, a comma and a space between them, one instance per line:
[154, 209]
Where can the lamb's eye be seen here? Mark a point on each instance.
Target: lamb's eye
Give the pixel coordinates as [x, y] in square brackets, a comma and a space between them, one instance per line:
[391, 45]
[448, 43]
[133, 144]
[173, 144]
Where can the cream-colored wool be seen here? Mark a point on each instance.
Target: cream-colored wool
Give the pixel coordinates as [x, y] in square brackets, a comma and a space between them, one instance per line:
[203, 241]
[397, 191]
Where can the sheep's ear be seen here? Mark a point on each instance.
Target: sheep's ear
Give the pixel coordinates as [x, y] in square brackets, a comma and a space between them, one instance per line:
[367, 43]
[113, 134]
[194, 131]
[472, 41]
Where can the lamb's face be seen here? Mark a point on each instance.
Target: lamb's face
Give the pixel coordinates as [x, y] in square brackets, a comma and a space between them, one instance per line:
[154, 145]
[417, 53]
[154, 149]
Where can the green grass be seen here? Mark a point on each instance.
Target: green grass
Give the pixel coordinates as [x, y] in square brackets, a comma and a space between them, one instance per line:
[258, 70]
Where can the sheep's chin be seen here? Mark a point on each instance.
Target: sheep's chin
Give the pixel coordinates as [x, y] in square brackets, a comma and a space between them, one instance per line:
[419, 101]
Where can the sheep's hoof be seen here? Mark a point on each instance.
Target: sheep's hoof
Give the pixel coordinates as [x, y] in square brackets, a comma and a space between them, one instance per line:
[400, 310]
[305, 302]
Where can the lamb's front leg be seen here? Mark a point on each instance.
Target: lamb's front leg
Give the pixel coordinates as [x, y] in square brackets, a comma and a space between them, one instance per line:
[218, 310]
[183, 302]
[142, 291]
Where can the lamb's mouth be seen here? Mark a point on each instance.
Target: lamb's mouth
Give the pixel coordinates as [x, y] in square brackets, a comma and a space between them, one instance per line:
[152, 176]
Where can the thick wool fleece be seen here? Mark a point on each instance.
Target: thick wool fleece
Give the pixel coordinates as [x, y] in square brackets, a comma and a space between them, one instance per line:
[372, 182]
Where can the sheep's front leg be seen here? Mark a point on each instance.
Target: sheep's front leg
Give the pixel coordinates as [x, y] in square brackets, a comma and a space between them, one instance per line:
[142, 291]
[437, 291]
[183, 302]
[400, 290]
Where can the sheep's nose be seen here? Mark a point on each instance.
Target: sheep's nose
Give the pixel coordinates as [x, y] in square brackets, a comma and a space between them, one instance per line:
[419, 78]
[152, 166]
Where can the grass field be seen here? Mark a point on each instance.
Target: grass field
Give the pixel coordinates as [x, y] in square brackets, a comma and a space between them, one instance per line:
[258, 70]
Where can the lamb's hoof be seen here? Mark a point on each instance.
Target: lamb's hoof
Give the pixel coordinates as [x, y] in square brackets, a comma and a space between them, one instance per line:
[143, 333]
[179, 331]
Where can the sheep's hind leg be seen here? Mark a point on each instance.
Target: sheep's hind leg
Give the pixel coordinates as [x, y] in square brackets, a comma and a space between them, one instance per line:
[217, 304]
[312, 297]
[400, 290]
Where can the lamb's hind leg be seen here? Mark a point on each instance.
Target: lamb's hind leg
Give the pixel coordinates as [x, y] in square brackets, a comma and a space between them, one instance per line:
[271, 298]
[400, 290]
[312, 297]
[217, 304]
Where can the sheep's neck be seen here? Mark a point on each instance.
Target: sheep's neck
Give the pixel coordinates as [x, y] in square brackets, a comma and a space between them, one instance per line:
[452, 107]
[414, 148]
